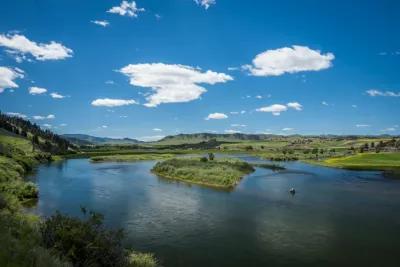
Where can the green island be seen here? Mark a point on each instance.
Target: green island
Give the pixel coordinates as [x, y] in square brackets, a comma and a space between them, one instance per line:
[131, 157]
[223, 173]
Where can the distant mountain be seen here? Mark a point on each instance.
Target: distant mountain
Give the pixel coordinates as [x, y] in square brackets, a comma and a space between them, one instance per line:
[205, 137]
[84, 139]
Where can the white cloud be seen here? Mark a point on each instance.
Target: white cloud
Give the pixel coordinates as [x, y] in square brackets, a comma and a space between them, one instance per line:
[233, 68]
[151, 138]
[374, 92]
[259, 97]
[103, 23]
[108, 102]
[230, 131]
[295, 105]
[354, 106]
[19, 45]
[126, 9]
[57, 95]
[109, 82]
[7, 77]
[324, 103]
[47, 125]
[205, 3]
[216, 116]
[104, 126]
[123, 116]
[37, 90]
[16, 114]
[362, 125]
[171, 83]
[157, 129]
[289, 60]
[234, 112]
[238, 125]
[49, 117]
[287, 129]
[390, 129]
[63, 124]
[275, 109]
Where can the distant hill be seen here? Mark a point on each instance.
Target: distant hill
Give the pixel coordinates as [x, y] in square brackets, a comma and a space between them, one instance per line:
[205, 137]
[84, 139]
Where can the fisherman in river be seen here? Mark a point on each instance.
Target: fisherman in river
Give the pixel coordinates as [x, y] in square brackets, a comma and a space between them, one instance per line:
[292, 191]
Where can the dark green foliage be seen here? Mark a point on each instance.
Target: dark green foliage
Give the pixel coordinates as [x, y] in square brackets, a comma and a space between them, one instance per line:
[84, 242]
[203, 159]
[211, 156]
[53, 143]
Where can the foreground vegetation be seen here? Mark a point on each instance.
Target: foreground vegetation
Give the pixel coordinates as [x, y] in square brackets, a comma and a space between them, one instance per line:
[131, 157]
[224, 173]
[366, 161]
[31, 241]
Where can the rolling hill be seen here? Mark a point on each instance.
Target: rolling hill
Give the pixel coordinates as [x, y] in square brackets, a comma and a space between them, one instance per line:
[84, 139]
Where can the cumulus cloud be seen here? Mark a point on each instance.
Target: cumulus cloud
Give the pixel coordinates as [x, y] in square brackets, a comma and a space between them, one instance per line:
[205, 3]
[277, 109]
[17, 114]
[7, 77]
[103, 23]
[49, 117]
[362, 125]
[231, 131]
[57, 95]
[295, 105]
[374, 92]
[19, 46]
[171, 83]
[157, 129]
[109, 102]
[126, 9]
[289, 60]
[37, 90]
[216, 116]
[287, 129]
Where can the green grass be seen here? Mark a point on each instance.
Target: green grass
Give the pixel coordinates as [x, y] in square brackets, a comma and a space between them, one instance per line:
[366, 161]
[139, 259]
[131, 157]
[223, 173]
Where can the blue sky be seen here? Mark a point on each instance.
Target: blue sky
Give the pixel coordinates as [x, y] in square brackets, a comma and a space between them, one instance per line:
[151, 68]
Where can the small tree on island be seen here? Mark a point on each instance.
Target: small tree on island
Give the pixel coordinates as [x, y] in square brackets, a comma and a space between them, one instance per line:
[211, 156]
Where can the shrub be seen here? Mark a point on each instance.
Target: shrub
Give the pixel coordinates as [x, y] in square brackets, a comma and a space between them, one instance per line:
[203, 159]
[139, 259]
[83, 242]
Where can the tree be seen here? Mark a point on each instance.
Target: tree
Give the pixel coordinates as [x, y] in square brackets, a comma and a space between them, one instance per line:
[211, 156]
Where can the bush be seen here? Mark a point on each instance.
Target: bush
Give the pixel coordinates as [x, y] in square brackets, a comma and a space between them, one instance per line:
[203, 159]
[139, 259]
[83, 242]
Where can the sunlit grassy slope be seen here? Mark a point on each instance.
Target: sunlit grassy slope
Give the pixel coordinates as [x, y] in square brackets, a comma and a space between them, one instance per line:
[367, 161]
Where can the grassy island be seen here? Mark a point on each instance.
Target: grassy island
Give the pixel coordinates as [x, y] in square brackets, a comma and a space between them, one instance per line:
[131, 157]
[223, 173]
[366, 161]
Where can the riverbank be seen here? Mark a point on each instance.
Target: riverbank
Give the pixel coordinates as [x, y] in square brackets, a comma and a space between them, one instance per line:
[219, 173]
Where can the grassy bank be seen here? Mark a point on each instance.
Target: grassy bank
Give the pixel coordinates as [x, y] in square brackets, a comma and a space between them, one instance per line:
[223, 173]
[365, 161]
[59, 241]
[131, 157]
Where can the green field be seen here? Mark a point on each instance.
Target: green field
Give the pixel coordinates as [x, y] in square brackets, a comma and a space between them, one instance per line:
[131, 157]
[366, 161]
[223, 173]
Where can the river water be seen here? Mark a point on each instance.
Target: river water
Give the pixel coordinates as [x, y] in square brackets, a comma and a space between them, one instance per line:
[336, 218]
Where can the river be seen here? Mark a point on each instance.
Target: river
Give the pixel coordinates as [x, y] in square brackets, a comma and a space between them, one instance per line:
[336, 218]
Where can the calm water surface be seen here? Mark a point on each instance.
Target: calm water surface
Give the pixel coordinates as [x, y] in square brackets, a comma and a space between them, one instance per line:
[336, 218]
